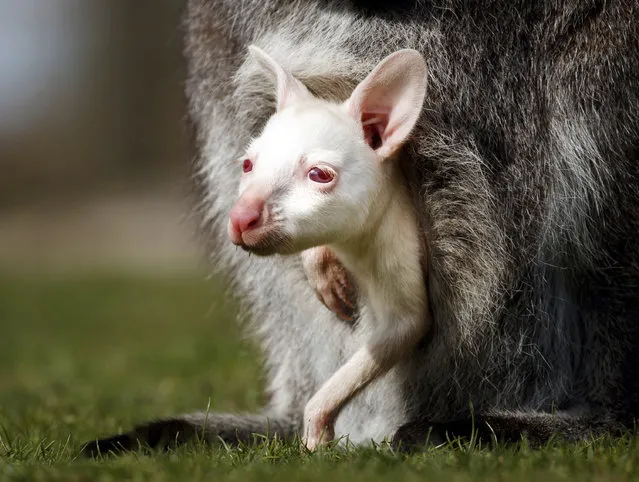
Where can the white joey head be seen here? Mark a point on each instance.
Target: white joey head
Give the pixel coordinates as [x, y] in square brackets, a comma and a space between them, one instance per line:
[313, 175]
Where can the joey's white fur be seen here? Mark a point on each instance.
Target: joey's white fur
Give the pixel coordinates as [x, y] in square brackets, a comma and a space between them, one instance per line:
[323, 176]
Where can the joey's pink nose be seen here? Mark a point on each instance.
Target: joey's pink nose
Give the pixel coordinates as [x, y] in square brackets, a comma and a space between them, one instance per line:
[246, 215]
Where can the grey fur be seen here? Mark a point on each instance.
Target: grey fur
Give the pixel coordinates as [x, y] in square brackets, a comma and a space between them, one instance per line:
[524, 172]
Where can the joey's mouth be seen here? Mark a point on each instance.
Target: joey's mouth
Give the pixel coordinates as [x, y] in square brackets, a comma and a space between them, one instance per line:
[265, 242]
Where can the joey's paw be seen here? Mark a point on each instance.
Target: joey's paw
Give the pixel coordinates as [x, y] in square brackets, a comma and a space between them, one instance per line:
[319, 428]
[318, 437]
[313, 443]
[333, 284]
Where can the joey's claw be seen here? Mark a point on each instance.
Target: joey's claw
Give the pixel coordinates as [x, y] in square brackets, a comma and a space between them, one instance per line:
[331, 298]
[334, 302]
[331, 281]
[345, 288]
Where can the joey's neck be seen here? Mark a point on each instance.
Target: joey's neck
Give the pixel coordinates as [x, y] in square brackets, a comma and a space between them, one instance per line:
[390, 233]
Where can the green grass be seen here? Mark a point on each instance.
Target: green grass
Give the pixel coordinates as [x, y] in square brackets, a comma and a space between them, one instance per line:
[82, 356]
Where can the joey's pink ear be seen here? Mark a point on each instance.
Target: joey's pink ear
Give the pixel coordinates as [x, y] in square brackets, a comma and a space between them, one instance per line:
[389, 100]
[289, 89]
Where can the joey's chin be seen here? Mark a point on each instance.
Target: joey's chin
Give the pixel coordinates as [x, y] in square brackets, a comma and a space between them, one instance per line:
[265, 242]
[258, 250]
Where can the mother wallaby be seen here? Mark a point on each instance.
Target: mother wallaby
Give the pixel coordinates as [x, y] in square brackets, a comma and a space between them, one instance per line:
[524, 166]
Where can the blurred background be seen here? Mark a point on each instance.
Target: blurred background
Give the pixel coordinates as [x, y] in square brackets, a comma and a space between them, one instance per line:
[94, 158]
[107, 315]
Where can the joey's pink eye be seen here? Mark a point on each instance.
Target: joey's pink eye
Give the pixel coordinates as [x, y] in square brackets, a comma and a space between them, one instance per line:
[320, 175]
[247, 165]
